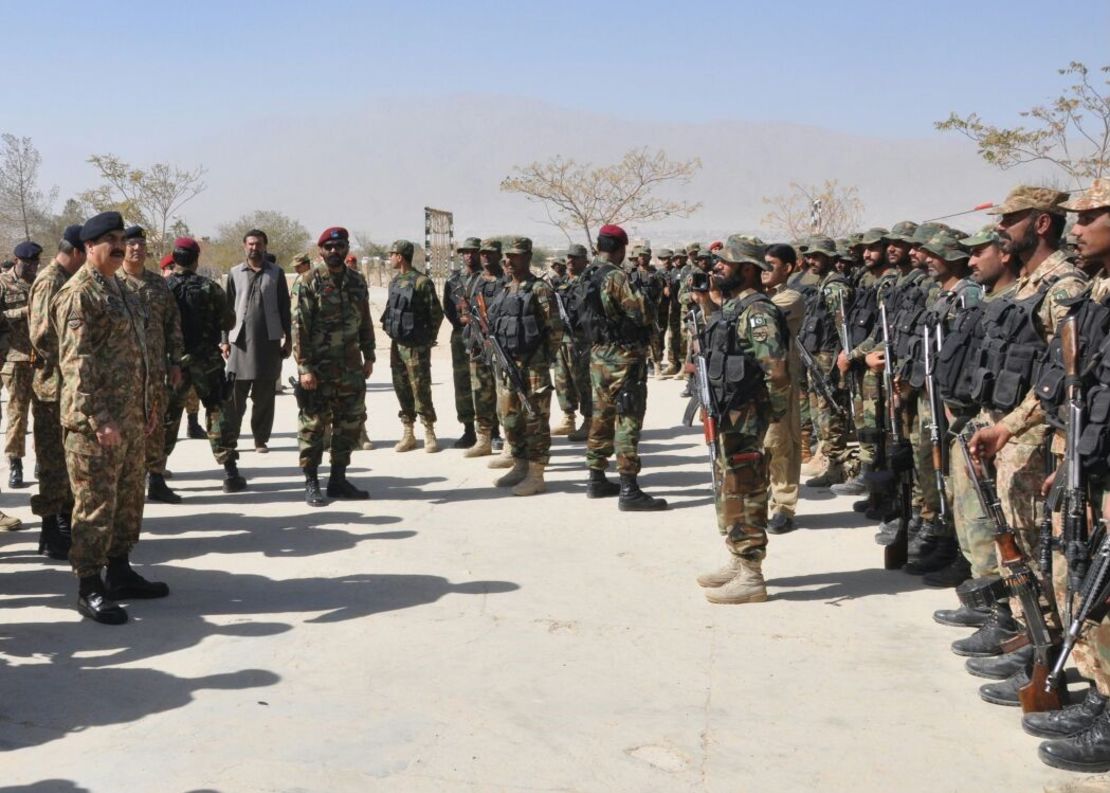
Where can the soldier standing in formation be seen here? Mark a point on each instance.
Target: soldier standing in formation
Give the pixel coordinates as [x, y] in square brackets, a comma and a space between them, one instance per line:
[454, 294]
[567, 385]
[487, 285]
[15, 294]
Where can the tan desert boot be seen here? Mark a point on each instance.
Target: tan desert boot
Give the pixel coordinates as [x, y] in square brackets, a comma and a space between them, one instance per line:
[482, 446]
[533, 482]
[515, 476]
[747, 587]
[408, 440]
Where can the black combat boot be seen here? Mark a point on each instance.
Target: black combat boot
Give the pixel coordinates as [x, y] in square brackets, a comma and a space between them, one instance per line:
[987, 641]
[233, 480]
[195, 431]
[1005, 692]
[340, 487]
[15, 472]
[1087, 751]
[92, 603]
[599, 486]
[999, 667]
[158, 490]
[496, 442]
[781, 523]
[943, 551]
[51, 541]
[468, 438]
[1067, 721]
[963, 617]
[862, 506]
[633, 499]
[123, 583]
[951, 576]
[312, 495]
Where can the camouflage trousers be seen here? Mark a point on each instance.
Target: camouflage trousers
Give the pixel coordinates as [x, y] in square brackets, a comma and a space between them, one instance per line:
[1019, 468]
[411, 367]
[529, 436]
[566, 384]
[108, 495]
[923, 462]
[741, 503]
[869, 413]
[676, 340]
[483, 384]
[783, 446]
[831, 426]
[460, 375]
[1092, 652]
[17, 379]
[340, 412]
[192, 402]
[156, 442]
[156, 464]
[655, 345]
[54, 495]
[974, 530]
[618, 377]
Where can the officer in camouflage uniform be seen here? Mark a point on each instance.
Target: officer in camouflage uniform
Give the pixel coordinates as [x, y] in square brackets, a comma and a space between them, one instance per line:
[525, 320]
[617, 323]
[106, 404]
[566, 385]
[205, 314]
[15, 293]
[489, 285]
[746, 347]
[411, 319]
[455, 290]
[333, 346]
[164, 344]
[54, 501]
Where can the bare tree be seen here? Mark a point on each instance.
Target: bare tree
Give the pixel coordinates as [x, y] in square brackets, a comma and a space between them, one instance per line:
[23, 206]
[579, 197]
[287, 238]
[151, 197]
[827, 209]
[1072, 132]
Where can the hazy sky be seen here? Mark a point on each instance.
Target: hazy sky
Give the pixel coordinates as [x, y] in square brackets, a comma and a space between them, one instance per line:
[156, 81]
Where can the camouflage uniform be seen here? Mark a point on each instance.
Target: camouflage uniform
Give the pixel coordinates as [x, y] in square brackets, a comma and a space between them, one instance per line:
[572, 392]
[483, 381]
[802, 282]
[54, 494]
[332, 338]
[783, 441]
[410, 362]
[17, 371]
[648, 283]
[103, 364]
[454, 290]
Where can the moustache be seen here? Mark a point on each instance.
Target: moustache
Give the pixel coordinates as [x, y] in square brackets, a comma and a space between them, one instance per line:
[116, 253]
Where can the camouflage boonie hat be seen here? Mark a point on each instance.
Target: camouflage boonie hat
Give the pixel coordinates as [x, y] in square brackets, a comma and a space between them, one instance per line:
[1097, 196]
[844, 251]
[741, 249]
[470, 244]
[801, 246]
[302, 258]
[925, 232]
[821, 244]
[577, 252]
[490, 246]
[945, 245]
[1044, 199]
[873, 235]
[519, 245]
[403, 247]
[856, 239]
[693, 247]
[903, 231]
[983, 236]
[664, 253]
[558, 261]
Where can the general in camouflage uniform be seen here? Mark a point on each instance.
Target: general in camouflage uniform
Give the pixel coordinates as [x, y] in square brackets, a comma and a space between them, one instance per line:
[746, 347]
[411, 319]
[106, 407]
[455, 290]
[483, 380]
[17, 371]
[525, 321]
[333, 346]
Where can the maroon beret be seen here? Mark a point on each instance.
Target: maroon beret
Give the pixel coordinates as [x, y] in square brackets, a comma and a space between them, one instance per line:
[167, 261]
[334, 233]
[609, 230]
[187, 243]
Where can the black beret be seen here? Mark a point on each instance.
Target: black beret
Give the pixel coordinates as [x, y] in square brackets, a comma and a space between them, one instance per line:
[72, 235]
[99, 225]
[134, 233]
[27, 250]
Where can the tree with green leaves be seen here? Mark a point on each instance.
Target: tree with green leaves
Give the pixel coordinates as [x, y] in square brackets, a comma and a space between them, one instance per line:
[287, 238]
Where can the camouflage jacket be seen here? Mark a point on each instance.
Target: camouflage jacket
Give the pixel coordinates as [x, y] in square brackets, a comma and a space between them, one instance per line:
[164, 342]
[619, 300]
[15, 299]
[205, 315]
[456, 288]
[332, 331]
[426, 308]
[761, 333]
[102, 353]
[47, 382]
[547, 312]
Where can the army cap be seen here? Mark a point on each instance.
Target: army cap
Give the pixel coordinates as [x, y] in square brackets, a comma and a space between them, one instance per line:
[558, 262]
[707, 254]
[925, 232]
[27, 250]
[520, 245]
[1043, 199]
[470, 244]
[301, 260]
[855, 239]
[664, 253]
[1097, 196]
[946, 245]
[741, 249]
[983, 236]
[403, 247]
[903, 231]
[821, 244]
[577, 252]
[490, 245]
[693, 247]
[873, 235]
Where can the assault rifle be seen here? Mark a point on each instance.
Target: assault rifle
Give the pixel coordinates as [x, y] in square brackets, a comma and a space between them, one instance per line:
[1094, 603]
[1043, 691]
[501, 358]
[1076, 543]
[900, 459]
[846, 346]
[568, 328]
[938, 429]
[818, 380]
[703, 396]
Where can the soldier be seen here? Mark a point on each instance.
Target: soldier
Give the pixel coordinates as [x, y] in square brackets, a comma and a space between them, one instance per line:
[647, 280]
[558, 274]
[616, 323]
[577, 261]
[15, 293]
[105, 408]
[748, 339]
[205, 316]
[783, 443]
[54, 501]
[164, 344]
[805, 282]
[454, 291]
[411, 319]
[567, 388]
[333, 346]
[483, 377]
[525, 320]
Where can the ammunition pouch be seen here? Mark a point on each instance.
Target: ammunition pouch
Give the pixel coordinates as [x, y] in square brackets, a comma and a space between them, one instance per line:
[982, 592]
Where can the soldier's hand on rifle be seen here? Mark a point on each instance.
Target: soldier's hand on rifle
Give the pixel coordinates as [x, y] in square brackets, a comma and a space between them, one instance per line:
[842, 362]
[987, 442]
[1049, 481]
[308, 381]
[876, 361]
[367, 370]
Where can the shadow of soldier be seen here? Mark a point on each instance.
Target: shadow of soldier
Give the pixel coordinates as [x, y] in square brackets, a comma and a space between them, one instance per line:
[843, 585]
[47, 786]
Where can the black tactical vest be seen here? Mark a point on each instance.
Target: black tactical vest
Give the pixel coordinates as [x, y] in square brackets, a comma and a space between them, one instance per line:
[863, 315]
[200, 329]
[735, 374]
[515, 322]
[928, 320]
[1094, 443]
[399, 319]
[818, 332]
[1093, 321]
[909, 307]
[956, 362]
[1011, 352]
[598, 327]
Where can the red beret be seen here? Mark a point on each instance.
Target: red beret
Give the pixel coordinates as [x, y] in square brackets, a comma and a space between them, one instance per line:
[351, 259]
[716, 246]
[187, 243]
[334, 233]
[167, 261]
[609, 230]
